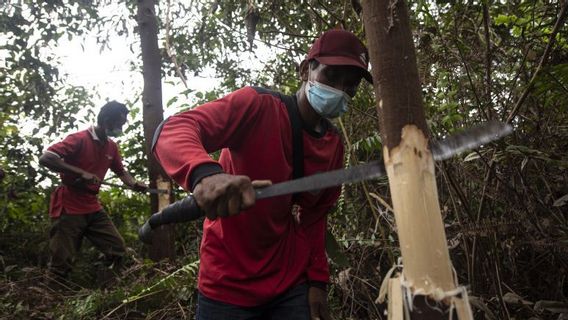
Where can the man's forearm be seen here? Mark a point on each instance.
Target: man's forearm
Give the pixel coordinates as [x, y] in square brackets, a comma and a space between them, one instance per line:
[57, 164]
[127, 179]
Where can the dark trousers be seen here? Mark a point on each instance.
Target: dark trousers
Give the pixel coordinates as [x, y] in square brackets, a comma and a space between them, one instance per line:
[291, 305]
[67, 233]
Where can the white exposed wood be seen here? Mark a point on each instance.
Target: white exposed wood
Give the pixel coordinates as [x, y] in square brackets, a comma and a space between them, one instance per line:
[463, 309]
[395, 307]
[163, 198]
[425, 256]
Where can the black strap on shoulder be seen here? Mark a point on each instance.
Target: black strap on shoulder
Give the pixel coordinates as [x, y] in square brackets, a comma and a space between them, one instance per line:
[157, 134]
[297, 141]
[291, 103]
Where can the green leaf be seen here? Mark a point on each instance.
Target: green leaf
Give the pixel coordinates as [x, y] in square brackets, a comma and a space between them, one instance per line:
[503, 19]
[334, 251]
[172, 100]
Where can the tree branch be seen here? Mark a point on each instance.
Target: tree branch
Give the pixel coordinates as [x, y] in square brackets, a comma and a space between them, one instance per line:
[487, 60]
[171, 54]
[557, 25]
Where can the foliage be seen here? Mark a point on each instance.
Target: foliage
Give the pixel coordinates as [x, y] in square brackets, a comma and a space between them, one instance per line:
[33, 95]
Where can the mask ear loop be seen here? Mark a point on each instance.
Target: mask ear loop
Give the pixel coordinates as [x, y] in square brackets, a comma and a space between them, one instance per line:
[307, 88]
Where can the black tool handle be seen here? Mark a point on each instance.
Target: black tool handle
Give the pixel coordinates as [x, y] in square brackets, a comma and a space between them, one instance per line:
[180, 211]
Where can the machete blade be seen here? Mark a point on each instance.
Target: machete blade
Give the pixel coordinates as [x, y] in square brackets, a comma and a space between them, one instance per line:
[469, 139]
[371, 170]
[444, 149]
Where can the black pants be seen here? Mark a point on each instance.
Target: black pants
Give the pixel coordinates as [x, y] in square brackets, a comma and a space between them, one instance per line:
[291, 305]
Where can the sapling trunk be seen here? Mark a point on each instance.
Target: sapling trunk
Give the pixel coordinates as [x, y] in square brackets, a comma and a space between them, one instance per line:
[427, 270]
[163, 244]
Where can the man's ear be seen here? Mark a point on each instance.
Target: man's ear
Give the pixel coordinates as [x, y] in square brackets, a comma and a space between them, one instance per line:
[105, 123]
[304, 70]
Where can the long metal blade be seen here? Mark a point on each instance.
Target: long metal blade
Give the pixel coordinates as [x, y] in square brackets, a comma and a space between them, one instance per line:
[371, 170]
[149, 190]
[469, 139]
[444, 149]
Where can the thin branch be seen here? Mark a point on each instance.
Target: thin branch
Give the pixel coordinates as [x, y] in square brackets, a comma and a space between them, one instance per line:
[295, 35]
[365, 190]
[171, 54]
[468, 74]
[458, 191]
[558, 81]
[487, 59]
[557, 25]
[514, 81]
[289, 49]
[344, 18]
[332, 14]
[366, 114]
[498, 276]
[319, 16]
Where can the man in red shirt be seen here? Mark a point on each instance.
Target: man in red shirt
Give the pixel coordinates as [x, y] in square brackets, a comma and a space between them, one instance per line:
[269, 261]
[82, 159]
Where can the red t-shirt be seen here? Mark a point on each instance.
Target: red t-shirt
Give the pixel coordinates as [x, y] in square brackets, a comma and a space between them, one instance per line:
[250, 258]
[84, 150]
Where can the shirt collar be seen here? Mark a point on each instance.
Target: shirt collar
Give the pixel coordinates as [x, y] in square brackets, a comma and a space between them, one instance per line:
[94, 133]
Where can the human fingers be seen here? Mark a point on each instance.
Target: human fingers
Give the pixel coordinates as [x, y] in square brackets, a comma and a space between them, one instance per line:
[247, 192]
[261, 183]
[234, 200]
[220, 204]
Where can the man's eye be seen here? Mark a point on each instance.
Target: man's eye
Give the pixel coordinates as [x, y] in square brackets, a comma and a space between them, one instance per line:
[331, 74]
[353, 83]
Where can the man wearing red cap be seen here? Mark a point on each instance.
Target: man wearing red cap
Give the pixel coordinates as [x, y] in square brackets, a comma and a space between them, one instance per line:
[265, 259]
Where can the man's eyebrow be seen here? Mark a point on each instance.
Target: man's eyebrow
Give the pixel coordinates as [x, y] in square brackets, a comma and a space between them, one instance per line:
[332, 71]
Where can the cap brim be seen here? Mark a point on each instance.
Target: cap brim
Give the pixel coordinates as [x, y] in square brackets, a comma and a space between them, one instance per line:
[346, 61]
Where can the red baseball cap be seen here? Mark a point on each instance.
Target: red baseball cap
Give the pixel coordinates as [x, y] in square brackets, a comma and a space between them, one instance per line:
[340, 47]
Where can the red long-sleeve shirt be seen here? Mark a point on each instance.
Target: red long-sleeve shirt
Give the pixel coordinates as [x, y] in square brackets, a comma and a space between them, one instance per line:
[250, 258]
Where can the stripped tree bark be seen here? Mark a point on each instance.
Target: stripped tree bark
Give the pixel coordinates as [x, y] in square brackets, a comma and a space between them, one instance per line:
[153, 113]
[427, 275]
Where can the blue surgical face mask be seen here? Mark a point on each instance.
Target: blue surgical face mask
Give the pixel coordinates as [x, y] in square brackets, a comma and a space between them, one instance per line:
[327, 101]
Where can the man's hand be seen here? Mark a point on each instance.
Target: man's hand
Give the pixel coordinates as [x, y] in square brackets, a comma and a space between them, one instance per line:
[89, 178]
[139, 186]
[222, 194]
[317, 298]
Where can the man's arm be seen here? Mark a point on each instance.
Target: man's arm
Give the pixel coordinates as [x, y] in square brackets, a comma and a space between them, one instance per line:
[132, 183]
[53, 162]
[186, 139]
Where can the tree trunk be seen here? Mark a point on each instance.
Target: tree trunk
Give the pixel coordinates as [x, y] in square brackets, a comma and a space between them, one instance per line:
[163, 241]
[427, 272]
